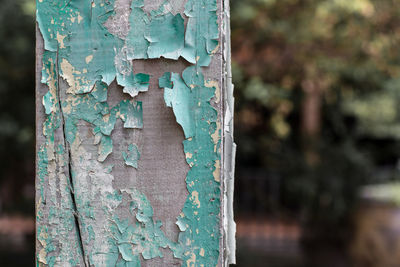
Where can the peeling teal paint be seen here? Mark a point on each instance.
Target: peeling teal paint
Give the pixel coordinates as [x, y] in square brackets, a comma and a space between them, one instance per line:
[154, 35]
[88, 108]
[136, 41]
[181, 99]
[66, 26]
[48, 103]
[132, 156]
[105, 148]
[142, 237]
[133, 86]
[165, 81]
[99, 91]
[161, 34]
[202, 33]
[80, 50]
[131, 113]
[190, 100]
[166, 36]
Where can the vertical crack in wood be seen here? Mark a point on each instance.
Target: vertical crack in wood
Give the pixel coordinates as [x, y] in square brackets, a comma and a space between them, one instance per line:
[67, 153]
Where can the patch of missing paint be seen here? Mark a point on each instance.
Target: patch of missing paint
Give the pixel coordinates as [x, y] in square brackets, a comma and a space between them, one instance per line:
[132, 156]
[103, 118]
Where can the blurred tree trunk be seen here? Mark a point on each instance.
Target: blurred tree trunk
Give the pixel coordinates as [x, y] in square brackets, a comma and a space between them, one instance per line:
[311, 108]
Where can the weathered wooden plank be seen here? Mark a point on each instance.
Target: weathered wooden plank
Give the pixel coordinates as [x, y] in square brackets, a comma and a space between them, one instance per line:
[120, 86]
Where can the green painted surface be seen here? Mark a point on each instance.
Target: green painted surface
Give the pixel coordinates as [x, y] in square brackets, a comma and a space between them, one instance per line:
[132, 156]
[201, 37]
[199, 223]
[77, 211]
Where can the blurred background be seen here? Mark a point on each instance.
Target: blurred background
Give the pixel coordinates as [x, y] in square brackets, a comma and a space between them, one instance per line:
[317, 88]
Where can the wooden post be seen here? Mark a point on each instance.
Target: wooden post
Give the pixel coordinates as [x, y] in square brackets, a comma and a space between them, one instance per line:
[135, 152]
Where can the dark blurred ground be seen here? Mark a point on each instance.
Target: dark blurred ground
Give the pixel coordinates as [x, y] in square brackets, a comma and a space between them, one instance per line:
[17, 241]
[317, 88]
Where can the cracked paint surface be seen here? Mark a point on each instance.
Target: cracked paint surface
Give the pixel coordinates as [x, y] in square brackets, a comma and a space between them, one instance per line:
[78, 218]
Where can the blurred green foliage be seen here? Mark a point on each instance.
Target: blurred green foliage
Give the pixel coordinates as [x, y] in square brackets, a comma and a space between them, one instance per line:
[17, 110]
[317, 101]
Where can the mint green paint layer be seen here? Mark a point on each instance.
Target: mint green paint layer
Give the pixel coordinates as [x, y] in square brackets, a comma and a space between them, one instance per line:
[131, 113]
[182, 101]
[132, 86]
[166, 36]
[201, 37]
[105, 148]
[99, 91]
[48, 102]
[190, 100]
[154, 35]
[165, 81]
[136, 40]
[132, 156]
